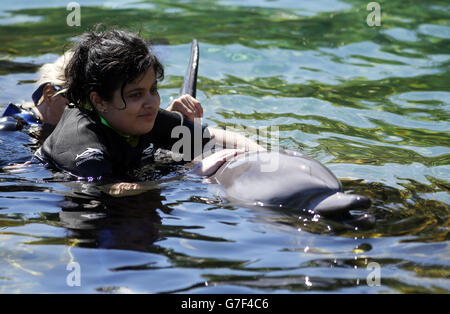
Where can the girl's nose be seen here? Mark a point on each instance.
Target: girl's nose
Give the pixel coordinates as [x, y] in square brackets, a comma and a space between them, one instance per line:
[152, 99]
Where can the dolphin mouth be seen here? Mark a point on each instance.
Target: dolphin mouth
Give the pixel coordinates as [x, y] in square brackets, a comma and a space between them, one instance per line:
[346, 208]
[340, 203]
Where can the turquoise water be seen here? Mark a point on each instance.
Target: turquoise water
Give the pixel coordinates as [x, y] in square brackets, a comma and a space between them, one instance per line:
[372, 103]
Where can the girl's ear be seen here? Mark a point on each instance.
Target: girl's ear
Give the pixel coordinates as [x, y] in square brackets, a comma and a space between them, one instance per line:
[97, 102]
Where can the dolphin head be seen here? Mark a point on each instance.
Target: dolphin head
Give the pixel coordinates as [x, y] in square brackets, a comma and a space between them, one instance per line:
[286, 179]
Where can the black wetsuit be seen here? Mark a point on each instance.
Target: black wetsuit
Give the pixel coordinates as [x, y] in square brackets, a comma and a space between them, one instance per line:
[85, 147]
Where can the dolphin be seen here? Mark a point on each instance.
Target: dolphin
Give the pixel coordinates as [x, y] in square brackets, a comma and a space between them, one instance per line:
[286, 179]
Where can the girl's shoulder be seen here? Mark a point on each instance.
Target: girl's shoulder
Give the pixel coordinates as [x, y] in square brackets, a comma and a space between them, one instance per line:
[78, 127]
[78, 121]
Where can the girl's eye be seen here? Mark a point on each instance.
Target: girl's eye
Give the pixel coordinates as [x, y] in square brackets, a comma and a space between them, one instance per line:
[136, 95]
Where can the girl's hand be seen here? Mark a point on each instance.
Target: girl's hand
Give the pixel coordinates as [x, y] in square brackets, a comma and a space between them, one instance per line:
[187, 105]
[123, 189]
[209, 165]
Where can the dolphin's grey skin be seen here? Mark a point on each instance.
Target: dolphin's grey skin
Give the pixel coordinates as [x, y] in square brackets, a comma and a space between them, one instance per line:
[286, 179]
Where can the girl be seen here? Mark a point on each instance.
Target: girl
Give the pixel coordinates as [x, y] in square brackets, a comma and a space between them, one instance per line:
[114, 122]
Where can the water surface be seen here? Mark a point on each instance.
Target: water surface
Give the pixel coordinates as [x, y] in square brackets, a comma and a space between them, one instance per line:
[372, 103]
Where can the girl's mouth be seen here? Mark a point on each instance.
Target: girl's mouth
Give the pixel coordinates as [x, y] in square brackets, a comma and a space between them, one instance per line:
[147, 116]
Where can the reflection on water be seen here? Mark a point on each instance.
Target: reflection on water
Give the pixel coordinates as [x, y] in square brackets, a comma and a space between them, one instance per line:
[372, 103]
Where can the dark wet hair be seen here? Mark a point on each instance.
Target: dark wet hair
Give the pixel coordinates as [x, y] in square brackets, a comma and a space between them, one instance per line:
[105, 61]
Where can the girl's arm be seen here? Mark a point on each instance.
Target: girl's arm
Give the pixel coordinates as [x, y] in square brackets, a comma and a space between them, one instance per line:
[233, 140]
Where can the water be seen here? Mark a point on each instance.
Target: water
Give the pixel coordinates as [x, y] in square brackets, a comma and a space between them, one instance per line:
[372, 103]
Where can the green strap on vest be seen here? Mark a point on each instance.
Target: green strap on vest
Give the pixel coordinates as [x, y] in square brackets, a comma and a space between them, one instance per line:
[132, 140]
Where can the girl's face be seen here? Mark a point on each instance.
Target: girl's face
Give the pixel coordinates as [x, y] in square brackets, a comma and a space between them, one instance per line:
[142, 104]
